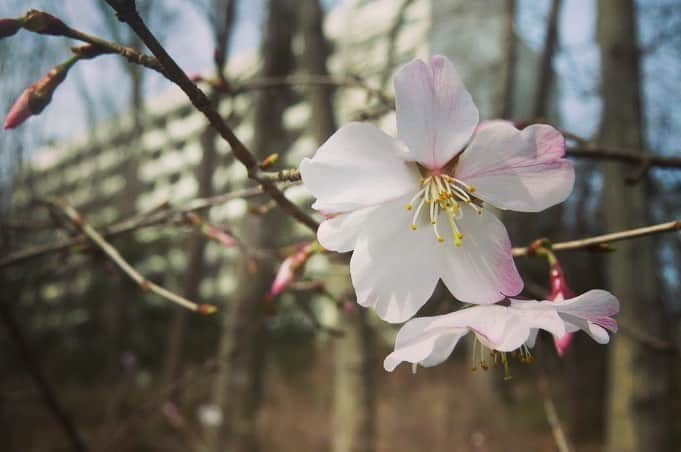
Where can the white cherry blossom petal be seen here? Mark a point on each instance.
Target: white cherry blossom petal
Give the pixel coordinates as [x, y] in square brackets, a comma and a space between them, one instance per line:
[394, 269]
[482, 269]
[517, 170]
[358, 166]
[591, 312]
[339, 233]
[436, 115]
[418, 342]
[428, 341]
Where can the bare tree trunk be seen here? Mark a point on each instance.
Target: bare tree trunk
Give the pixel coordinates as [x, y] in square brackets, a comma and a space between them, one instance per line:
[238, 385]
[204, 177]
[541, 99]
[354, 403]
[640, 416]
[354, 426]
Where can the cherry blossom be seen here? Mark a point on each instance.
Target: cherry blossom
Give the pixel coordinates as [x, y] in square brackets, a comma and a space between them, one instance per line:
[415, 209]
[502, 328]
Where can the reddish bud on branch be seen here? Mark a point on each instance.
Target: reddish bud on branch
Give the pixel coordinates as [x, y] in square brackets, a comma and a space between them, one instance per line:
[269, 161]
[9, 27]
[207, 309]
[290, 270]
[560, 291]
[37, 96]
[44, 24]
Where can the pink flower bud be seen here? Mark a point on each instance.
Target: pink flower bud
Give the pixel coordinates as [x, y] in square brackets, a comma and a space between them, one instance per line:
[289, 270]
[220, 236]
[9, 27]
[37, 96]
[20, 110]
[559, 292]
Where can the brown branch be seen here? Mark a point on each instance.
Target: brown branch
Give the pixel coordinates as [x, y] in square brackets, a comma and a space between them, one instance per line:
[597, 152]
[601, 242]
[112, 253]
[54, 26]
[125, 9]
[285, 175]
[40, 380]
[134, 223]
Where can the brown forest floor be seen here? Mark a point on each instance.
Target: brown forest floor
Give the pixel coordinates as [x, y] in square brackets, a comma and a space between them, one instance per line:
[435, 410]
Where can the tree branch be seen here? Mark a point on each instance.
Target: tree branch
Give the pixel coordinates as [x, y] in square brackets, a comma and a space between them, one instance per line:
[113, 254]
[126, 11]
[602, 242]
[155, 217]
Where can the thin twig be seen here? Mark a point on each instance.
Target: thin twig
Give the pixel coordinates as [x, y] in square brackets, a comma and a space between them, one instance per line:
[125, 9]
[597, 152]
[559, 436]
[128, 269]
[601, 242]
[130, 224]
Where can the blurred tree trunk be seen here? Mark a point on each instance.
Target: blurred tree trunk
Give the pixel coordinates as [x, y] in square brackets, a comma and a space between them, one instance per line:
[238, 385]
[354, 403]
[354, 414]
[492, 392]
[640, 393]
[204, 176]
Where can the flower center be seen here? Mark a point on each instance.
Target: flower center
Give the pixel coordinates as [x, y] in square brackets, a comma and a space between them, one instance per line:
[443, 193]
[493, 358]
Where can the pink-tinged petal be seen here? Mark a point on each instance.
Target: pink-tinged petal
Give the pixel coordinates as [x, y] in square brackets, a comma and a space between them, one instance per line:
[492, 123]
[358, 166]
[394, 269]
[19, 112]
[428, 341]
[517, 170]
[436, 115]
[481, 270]
[591, 312]
[595, 306]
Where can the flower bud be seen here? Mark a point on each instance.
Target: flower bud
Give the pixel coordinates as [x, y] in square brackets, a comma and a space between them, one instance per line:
[560, 291]
[289, 270]
[37, 96]
[44, 24]
[219, 236]
[9, 27]
[207, 309]
[270, 160]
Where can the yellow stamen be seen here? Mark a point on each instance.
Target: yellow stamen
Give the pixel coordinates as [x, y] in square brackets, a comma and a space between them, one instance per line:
[444, 193]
